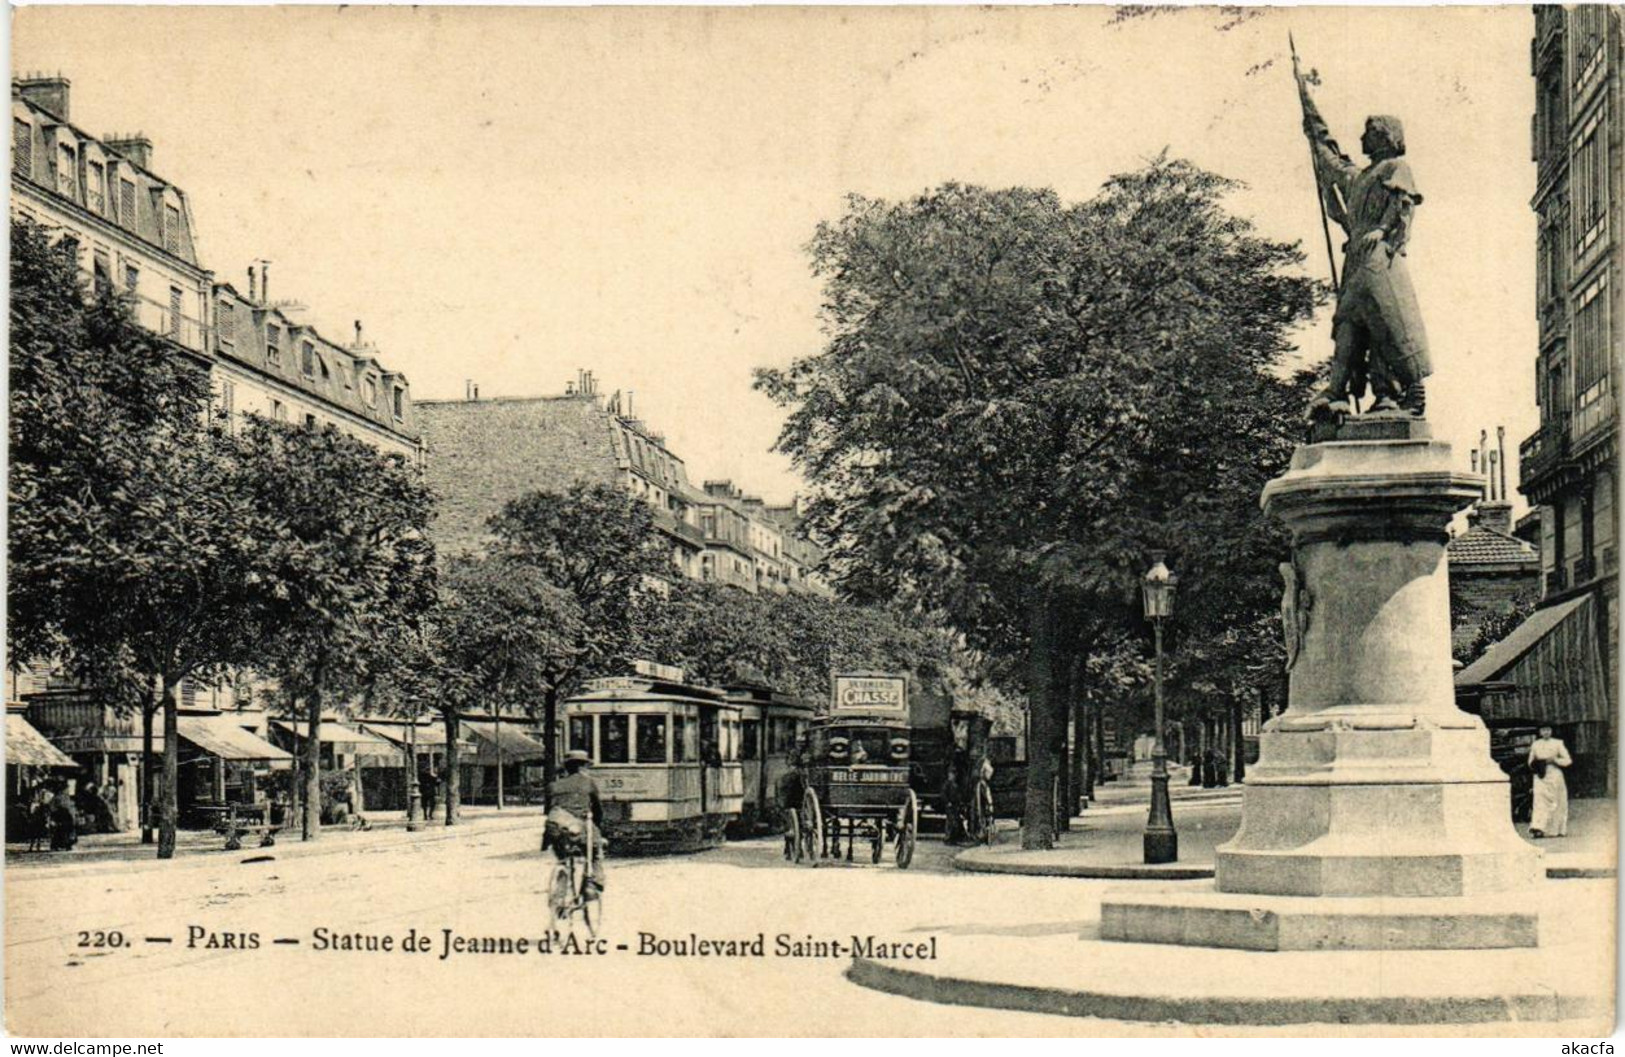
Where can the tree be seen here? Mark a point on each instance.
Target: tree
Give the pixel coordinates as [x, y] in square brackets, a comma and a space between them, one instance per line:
[346, 558]
[599, 546]
[719, 633]
[130, 549]
[1019, 398]
[493, 640]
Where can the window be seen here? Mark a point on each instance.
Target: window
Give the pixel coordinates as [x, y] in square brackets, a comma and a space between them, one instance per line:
[67, 172]
[132, 278]
[126, 203]
[1591, 343]
[310, 421]
[96, 191]
[228, 401]
[400, 402]
[651, 739]
[226, 322]
[1589, 180]
[22, 148]
[279, 411]
[175, 312]
[307, 359]
[102, 273]
[172, 229]
[750, 739]
[685, 739]
[369, 390]
[613, 730]
[580, 736]
[273, 345]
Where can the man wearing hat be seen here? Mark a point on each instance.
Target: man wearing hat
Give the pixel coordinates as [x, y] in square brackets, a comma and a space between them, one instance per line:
[576, 814]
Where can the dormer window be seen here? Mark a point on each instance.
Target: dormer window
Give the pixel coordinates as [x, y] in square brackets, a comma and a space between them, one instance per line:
[273, 346]
[96, 191]
[22, 148]
[400, 403]
[126, 203]
[67, 172]
[369, 391]
[172, 229]
[226, 322]
[307, 359]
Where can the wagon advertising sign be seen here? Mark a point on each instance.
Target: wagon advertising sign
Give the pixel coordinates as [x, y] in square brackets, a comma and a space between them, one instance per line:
[871, 695]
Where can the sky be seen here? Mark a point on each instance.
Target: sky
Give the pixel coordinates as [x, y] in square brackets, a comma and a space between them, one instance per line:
[507, 195]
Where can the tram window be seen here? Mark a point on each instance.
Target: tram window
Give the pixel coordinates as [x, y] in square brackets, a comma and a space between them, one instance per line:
[733, 740]
[651, 739]
[614, 733]
[749, 742]
[581, 734]
[685, 739]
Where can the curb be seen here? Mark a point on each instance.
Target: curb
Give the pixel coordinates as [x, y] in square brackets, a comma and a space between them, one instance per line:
[1240, 1010]
[15, 873]
[1103, 871]
[971, 863]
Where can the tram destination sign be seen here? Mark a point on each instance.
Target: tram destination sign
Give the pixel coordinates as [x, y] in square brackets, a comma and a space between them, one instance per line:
[871, 695]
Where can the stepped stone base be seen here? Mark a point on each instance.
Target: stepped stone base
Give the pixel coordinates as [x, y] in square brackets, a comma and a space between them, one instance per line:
[1296, 923]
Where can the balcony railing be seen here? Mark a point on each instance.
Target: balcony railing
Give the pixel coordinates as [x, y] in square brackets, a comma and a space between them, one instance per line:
[164, 321]
[1543, 449]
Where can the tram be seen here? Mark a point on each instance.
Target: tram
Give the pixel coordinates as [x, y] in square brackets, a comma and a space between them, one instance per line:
[665, 755]
[770, 725]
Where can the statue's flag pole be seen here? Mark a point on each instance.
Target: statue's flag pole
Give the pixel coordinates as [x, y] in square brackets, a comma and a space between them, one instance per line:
[1320, 191]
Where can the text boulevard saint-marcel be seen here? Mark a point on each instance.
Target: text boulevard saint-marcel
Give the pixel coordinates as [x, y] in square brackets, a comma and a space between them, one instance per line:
[785, 945]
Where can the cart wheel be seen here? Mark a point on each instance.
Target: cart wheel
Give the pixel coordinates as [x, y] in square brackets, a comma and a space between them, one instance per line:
[877, 845]
[982, 821]
[812, 828]
[792, 836]
[908, 826]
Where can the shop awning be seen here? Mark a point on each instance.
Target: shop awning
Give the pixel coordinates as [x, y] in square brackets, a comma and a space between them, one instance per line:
[504, 741]
[221, 736]
[429, 737]
[27, 747]
[1550, 669]
[348, 739]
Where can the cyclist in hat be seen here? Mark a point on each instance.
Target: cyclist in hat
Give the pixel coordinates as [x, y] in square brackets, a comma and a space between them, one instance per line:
[576, 815]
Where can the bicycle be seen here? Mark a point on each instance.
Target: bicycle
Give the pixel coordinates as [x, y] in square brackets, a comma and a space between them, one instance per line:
[568, 893]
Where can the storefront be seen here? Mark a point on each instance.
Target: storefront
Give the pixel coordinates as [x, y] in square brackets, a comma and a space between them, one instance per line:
[343, 749]
[508, 763]
[31, 762]
[1550, 671]
[425, 741]
[224, 767]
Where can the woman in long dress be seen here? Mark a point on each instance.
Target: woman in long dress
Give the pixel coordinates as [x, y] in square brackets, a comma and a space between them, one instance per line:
[1547, 758]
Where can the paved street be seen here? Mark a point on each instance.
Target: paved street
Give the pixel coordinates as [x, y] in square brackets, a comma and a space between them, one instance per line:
[487, 882]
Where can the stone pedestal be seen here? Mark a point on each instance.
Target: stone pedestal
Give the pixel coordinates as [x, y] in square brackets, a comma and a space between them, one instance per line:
[1372, 792]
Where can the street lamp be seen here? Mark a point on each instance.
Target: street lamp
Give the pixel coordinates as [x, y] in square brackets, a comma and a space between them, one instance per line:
[1161, 842]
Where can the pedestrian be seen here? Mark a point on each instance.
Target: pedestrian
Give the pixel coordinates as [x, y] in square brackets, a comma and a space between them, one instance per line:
[1547, 758]
[427, 783]
[64, 822]
[39, 817]
[1196, 767]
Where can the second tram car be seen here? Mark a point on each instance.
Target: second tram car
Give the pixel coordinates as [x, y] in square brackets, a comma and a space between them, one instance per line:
[666, 756]
[771, 723]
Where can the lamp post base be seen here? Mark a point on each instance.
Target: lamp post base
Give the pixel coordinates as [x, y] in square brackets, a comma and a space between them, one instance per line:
[1161, 842]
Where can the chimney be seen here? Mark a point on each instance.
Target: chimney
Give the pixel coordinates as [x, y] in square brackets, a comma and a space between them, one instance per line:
[253, 286]
[50, 94]
[358, 333]
[1495, 497]
[629, 413]
[265, 281]
[137, 148]
[1496, 516]
[1501, 443]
